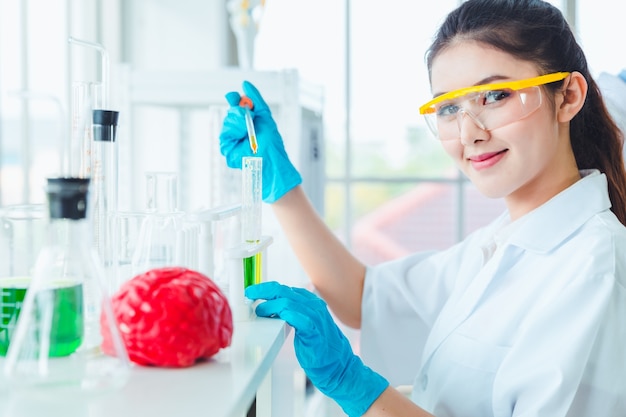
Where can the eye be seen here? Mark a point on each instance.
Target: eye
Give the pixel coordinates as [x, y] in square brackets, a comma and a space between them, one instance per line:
[447, 109]
[490, 97]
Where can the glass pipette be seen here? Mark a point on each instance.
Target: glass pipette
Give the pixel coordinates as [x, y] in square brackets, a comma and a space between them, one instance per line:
[246, 103]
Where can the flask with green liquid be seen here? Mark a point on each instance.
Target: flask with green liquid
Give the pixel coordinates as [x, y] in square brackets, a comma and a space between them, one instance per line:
[55, 344]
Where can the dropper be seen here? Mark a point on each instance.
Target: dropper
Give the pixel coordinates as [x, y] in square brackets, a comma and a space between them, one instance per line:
[246, 103]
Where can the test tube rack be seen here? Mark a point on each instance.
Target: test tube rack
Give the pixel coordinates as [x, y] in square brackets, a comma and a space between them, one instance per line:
[241, 307]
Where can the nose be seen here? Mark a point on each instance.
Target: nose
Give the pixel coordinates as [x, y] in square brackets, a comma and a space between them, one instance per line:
[471, 129]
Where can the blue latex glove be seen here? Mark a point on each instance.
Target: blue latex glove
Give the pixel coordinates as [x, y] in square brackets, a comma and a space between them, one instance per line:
[321, 348]
[279, 174]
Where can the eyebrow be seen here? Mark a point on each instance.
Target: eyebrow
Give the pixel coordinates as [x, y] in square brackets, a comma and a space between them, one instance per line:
[487, 80]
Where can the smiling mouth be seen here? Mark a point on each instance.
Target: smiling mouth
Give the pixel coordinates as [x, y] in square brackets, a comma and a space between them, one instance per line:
[485, 156]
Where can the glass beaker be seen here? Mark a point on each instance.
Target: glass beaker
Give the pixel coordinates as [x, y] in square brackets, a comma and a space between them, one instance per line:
[22, 231]
[126, 228]
[56, 345]
[160, 240]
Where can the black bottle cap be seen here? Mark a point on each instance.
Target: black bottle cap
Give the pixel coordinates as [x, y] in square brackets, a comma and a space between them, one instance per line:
[67, 198]
[105, 125]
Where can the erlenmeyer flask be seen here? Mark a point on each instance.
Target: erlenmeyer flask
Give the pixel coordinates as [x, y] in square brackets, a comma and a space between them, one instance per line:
[160, 240]
[56, 345]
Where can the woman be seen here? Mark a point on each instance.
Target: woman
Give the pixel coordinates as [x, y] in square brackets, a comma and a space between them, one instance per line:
[525, 317]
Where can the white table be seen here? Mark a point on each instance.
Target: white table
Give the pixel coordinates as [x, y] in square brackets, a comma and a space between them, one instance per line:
[225, 386]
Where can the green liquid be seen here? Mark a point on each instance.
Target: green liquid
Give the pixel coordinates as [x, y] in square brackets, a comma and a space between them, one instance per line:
[66, 327]
[252, 270]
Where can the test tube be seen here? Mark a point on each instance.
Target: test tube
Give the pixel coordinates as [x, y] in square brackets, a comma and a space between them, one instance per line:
[104, 177]
[251, 213]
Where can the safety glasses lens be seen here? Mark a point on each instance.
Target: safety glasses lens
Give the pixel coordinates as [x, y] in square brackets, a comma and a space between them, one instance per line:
[487, 109]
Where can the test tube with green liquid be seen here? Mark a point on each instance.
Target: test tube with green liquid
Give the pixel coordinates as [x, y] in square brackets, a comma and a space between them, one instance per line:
[252, 187]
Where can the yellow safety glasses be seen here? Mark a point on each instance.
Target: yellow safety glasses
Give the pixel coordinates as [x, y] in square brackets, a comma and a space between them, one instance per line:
[490, 106]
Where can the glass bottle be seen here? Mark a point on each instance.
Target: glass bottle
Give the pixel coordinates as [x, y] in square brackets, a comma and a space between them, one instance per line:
[56, 345]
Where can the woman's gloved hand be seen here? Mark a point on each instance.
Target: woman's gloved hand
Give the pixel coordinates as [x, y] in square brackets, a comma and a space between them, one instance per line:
[321, 348]
[279, 174]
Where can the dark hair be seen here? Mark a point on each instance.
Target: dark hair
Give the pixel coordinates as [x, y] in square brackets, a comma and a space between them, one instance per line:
[536, 31]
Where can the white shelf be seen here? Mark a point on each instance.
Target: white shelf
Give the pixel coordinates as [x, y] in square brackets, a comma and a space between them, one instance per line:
[225, 386]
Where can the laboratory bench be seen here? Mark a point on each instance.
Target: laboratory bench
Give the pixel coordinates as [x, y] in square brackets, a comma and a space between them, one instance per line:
[258, 369]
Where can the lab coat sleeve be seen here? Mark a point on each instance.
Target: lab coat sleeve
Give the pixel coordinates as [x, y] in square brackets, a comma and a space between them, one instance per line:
[569, 358]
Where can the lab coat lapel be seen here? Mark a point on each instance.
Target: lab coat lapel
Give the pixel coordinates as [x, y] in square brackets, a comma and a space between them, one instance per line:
[463, 301]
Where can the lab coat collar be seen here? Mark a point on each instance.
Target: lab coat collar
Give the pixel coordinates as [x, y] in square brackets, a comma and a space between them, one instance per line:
[549, 224]
[540, 230]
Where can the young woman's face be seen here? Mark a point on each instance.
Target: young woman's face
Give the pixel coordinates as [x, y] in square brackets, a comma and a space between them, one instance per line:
[527, 161]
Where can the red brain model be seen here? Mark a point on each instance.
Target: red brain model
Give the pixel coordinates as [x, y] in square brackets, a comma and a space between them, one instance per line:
[170, 317]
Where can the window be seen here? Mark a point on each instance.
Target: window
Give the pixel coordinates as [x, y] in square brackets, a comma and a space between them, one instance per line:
[390, 187]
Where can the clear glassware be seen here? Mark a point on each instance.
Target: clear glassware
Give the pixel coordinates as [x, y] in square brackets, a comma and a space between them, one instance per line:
[125, 230]
[160, 240]
[56, 347]
[251, 216]
[104, 186]
[22, 233]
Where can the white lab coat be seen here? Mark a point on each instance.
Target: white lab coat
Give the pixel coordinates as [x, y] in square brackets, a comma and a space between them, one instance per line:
[520, 319]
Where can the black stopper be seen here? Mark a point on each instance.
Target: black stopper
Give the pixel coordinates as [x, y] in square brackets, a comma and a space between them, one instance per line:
[105, 125]
[67, 198]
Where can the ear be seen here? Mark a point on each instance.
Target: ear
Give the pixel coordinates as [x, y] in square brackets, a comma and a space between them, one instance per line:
[574, 97]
